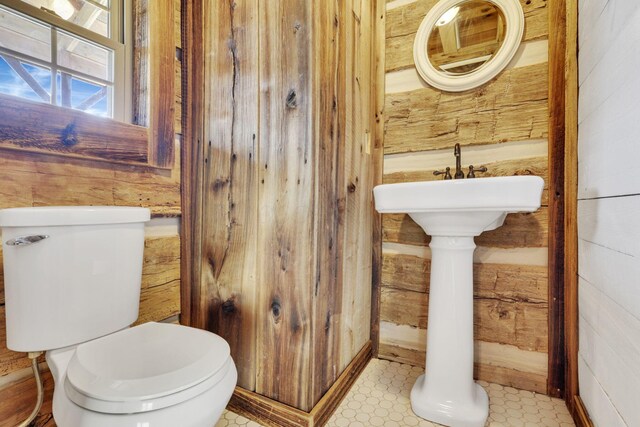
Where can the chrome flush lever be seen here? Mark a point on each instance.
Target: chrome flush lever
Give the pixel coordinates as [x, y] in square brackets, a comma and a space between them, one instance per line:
[26, 240]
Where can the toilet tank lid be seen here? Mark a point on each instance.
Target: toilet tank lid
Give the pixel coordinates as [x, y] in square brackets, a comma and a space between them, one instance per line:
[71, 215]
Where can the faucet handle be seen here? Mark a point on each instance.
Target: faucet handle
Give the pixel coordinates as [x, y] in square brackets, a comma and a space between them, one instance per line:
[472, 171]
[446, 173]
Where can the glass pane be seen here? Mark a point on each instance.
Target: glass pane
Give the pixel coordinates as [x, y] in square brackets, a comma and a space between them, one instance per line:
[87, 58]
[80, 12]
[24, 80]
[80, 94]
[23, 35]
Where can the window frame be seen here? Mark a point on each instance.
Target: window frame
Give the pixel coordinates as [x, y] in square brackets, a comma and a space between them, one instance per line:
[35, 127]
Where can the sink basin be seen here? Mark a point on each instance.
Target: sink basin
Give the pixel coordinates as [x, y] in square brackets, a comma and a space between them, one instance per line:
[443, 208]
[453, 212]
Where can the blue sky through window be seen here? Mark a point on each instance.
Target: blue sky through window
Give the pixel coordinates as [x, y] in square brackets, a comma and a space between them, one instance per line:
[12, 84]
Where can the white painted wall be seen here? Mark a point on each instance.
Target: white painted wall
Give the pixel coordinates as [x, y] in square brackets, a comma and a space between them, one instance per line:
[609, 210]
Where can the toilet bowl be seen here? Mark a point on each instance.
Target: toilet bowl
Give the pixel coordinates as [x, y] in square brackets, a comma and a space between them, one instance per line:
[152, 375]
[72, 289]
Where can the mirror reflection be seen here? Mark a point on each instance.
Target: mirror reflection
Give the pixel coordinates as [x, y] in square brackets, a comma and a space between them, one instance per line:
[466, 36]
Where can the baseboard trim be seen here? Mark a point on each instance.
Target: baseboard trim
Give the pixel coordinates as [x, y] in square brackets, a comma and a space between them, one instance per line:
[272, 413]
[580, 414]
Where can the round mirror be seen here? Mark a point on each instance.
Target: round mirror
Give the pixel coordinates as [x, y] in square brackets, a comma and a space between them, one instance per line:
[462, 44]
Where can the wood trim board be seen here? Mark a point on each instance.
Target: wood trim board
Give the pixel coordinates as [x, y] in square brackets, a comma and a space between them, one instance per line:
[580, 414]
[378, 98]
[557, 47]
[563, 190]
[570, 260]
[191, 148]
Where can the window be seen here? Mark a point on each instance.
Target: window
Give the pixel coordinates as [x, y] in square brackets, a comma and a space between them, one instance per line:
[36, 126]
[71, 53]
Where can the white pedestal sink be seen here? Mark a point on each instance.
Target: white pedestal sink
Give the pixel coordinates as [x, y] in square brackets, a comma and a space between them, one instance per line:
[453, 212]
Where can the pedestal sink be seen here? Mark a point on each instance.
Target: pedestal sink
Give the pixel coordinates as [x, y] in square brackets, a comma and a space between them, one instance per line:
[453, 212]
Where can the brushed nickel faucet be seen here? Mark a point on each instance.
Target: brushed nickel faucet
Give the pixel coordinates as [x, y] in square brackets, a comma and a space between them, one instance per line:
[459, 173]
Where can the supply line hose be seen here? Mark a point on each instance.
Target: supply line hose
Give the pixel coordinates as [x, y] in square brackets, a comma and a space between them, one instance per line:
[36, 373]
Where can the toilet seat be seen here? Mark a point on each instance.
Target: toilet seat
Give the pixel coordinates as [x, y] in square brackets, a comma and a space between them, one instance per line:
[144, 368]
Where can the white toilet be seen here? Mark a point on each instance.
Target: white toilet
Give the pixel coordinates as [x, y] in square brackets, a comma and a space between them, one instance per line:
[72, 287]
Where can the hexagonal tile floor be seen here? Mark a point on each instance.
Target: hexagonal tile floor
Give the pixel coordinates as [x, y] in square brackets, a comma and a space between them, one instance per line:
[380, 397]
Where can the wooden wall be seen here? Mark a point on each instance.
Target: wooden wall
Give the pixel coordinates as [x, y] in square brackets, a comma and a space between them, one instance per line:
[42, 180]
[609, 211]
[503, 125]
[287, 178]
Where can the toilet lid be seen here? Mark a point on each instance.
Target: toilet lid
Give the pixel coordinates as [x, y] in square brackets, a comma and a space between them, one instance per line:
[131, 368]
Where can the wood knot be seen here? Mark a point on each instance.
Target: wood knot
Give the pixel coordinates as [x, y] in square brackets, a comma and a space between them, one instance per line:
[275, 309]
[296, 27]
[292, 101]
[229, 306]
[69, 136]
[219, 184]
[351, 187]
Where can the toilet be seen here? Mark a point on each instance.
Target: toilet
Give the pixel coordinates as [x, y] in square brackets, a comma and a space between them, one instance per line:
[72, 287]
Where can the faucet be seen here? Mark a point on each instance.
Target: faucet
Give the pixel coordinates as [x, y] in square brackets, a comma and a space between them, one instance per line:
[459, 174]
[456, 152]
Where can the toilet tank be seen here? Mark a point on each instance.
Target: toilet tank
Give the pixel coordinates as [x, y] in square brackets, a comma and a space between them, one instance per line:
[71, 274]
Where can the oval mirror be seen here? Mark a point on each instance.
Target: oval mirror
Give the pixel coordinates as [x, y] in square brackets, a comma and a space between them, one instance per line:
[462, 44]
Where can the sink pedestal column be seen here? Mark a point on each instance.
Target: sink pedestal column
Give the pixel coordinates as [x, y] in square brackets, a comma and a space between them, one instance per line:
[446, 393]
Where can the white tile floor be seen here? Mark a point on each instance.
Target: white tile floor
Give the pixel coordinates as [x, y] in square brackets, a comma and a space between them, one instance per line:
[380, 397]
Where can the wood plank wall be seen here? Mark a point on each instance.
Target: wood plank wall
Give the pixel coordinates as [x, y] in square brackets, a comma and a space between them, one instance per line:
[609, 211]
[40, 180]
[286, 253]
[502, 125]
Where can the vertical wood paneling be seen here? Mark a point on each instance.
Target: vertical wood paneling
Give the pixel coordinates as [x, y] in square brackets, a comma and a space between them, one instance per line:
[286, 209]
[360, 199]
[285, 257]
[332, 141]
[355, 187]
[230, 187]
[330, 108]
